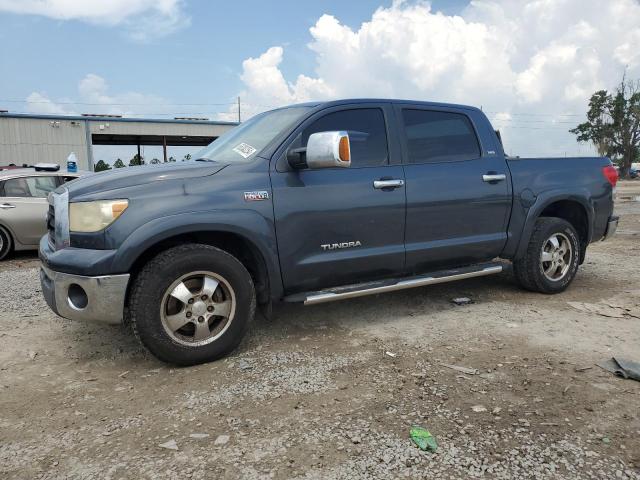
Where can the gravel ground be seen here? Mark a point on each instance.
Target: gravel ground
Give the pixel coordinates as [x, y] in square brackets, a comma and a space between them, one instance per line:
[313, 393]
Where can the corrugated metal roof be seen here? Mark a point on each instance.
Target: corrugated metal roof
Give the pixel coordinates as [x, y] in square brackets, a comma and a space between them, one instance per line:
[111, 119]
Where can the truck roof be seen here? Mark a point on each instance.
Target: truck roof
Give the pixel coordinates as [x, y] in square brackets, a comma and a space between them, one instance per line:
[351, 101]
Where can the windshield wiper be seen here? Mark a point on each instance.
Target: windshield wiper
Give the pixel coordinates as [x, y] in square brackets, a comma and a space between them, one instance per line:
[204, 160]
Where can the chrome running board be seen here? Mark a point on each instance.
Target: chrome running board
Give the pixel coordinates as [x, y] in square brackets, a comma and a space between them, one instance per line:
[371, 288]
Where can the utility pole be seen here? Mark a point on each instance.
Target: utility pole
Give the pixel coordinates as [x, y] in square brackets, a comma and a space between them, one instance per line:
[239, 119]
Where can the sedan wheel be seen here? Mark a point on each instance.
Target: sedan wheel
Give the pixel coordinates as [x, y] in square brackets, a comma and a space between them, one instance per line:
[5, 243]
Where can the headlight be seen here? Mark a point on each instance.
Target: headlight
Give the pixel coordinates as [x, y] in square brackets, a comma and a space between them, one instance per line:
[95, 216]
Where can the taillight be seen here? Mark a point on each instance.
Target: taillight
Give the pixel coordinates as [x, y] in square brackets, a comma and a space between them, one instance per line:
[611, 174]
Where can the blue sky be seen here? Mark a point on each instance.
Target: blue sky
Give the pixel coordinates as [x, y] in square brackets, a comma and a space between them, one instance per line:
[200, 63]
[531, 65]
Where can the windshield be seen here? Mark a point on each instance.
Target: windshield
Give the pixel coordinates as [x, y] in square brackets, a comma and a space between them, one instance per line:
[247, 140]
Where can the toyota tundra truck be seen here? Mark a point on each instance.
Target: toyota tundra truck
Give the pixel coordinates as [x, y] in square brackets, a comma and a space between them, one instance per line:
[313, 203]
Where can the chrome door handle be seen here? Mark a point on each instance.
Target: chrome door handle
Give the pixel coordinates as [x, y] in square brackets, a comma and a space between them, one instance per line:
[7, 205]
[494, 177]
[388, 183]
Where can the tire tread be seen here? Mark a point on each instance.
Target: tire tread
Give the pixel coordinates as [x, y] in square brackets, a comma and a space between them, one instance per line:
[526, 268]
[8, 243]
[166, 258]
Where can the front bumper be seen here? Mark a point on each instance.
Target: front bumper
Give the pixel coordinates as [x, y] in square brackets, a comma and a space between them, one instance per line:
[612, 226]
[97, 299]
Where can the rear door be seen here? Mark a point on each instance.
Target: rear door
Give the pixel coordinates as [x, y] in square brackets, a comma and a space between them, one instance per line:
[23, 206]
[336, 226]
[458, 190]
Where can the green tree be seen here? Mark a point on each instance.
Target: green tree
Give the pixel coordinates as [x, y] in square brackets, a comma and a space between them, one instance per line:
[136, 160]
[187, 157]
[613, 123]
[118, 164]
[154, 161]
[101, 166]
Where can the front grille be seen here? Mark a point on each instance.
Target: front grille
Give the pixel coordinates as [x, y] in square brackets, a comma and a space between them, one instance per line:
[51, 226]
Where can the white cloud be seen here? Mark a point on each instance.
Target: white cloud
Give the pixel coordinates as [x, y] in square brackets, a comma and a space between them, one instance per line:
[534, 61]
[94, 97]
[266, 86]
[143, 19]
[40, 103]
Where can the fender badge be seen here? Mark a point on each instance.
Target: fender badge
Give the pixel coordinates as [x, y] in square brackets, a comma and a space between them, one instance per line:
[256, 196]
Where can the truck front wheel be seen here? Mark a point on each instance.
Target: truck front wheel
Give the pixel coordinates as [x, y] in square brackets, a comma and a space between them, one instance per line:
[192, 304]
[551, 260]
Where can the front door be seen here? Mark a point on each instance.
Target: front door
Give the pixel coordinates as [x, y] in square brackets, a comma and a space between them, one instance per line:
[458, 194]
[338, 226]
[23, 206]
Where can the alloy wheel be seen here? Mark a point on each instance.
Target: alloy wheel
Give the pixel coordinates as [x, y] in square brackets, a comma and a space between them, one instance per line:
[198, 308]
[556, 257]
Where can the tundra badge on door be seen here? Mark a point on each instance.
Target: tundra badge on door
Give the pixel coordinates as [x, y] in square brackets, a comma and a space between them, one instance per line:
[334, 246]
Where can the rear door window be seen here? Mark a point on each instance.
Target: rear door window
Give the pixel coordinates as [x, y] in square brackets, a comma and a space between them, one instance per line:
[65, 179]
[31, 187]
[367, 134]
[434, 136]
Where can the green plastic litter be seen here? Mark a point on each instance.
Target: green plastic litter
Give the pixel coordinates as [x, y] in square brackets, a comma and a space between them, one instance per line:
[423, 438]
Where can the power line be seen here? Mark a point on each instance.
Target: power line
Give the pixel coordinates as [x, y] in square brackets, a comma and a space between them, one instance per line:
[496, 120]
[539, 114]
[493, 120]
[121, 104]
[502, 123]
[521, 124]
[127, 114]
[155, 104]
[501, 127]
[247, 104]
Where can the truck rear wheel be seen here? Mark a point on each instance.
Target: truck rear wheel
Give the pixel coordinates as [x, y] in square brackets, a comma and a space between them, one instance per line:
[552, 257]
[192, 304]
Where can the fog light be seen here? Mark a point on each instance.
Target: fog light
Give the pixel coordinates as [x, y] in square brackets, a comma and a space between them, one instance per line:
[77, 297]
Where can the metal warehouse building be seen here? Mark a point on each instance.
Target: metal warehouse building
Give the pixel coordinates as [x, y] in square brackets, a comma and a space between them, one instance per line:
[30, 139]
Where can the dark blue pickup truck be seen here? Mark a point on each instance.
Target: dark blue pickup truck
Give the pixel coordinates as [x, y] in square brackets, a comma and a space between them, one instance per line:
[313, 203]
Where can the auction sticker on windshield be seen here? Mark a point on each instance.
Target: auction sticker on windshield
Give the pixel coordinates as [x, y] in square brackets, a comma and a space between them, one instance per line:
[245, 150]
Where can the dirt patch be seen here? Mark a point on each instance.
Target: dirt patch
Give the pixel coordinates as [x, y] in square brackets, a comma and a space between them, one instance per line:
[314, 393]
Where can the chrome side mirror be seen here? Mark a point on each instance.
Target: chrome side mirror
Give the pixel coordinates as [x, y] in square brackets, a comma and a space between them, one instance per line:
[323, 150]
[328, 150]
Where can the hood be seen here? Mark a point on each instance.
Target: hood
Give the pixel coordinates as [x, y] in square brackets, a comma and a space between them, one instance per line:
[139, 175]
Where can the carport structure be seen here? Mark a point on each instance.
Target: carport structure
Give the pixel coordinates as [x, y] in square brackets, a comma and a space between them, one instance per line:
[34, 138]
[179, 132]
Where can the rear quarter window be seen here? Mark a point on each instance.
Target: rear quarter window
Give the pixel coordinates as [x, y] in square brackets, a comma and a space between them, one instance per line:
[30, 187]
[433, 136]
